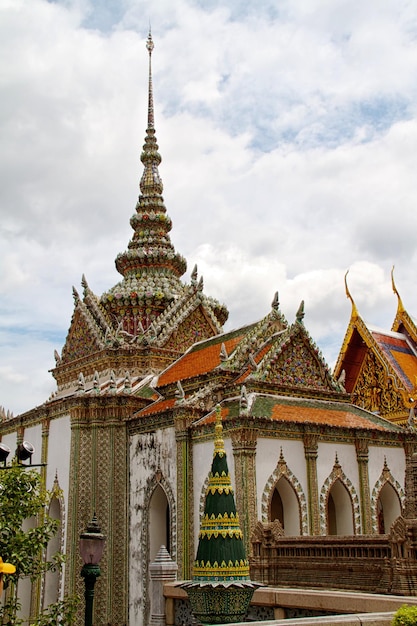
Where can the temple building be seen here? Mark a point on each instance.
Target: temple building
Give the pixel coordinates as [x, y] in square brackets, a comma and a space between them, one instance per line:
[128, 433]
[379, 367]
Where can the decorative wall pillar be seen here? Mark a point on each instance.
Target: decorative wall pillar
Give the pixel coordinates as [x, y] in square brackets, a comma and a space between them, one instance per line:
[410, 486]
[185, 491]
[362, 456]
[99, 484]
[311, 453]
[244, 452]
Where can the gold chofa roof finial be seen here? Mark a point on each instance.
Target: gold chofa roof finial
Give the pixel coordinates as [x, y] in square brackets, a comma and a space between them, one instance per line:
[400, 307]
[348, 295]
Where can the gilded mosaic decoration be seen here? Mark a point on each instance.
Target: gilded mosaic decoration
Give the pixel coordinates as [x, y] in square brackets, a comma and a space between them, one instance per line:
[375, 390]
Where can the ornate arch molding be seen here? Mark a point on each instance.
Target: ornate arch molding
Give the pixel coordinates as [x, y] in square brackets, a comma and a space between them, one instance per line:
[56, 493]
[152, 483]
[338, 474]
[385, 477]
[282, 470]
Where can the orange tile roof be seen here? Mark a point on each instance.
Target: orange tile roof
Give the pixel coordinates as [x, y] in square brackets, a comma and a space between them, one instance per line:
[400, 356]
[330, 417]
[201, 359]
[157, 407]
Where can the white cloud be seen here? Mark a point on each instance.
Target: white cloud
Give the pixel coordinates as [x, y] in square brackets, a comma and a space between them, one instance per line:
[288, 141]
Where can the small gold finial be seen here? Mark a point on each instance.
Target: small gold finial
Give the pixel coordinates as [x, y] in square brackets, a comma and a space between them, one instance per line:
[348, 295]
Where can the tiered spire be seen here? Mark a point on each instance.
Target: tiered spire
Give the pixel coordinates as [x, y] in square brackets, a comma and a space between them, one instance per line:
[221, 590]
[151, 268]
[221, 553]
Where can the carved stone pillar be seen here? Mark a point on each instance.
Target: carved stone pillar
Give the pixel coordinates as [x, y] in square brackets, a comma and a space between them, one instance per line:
[310, 452]
[162, 570]
[410, 505]
[185, 491]
[99, 484]
[362, 456]
[244, 452]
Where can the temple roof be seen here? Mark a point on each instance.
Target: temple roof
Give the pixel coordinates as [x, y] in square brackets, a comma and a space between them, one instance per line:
[150, 317]
[379, 366]
[400, 353]
[282, 409]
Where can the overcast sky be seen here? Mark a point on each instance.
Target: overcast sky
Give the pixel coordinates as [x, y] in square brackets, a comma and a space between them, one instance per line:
[288, 133]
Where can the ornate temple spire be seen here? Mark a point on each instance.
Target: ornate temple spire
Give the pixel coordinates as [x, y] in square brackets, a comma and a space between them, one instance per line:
[150, 267]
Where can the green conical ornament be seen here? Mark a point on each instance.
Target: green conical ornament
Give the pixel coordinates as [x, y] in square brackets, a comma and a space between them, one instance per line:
[221, 552]
[221, 590]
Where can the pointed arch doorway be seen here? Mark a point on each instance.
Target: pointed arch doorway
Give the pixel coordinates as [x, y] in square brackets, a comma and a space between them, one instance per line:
[388, 508]
[339, 511]
[285, 507]
[159, 522]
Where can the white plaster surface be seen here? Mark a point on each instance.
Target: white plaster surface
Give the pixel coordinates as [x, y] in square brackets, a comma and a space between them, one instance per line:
[395, 458]
[346, 454]
[149, 453]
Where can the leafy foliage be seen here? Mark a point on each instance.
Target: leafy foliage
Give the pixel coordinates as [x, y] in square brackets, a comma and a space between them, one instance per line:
[25, 530]
[405, 616]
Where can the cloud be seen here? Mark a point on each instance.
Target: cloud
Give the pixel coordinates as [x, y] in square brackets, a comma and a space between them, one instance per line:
[288, 140]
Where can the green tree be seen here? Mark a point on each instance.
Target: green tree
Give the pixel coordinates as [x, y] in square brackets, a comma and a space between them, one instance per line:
[405, 616]
[25, 530]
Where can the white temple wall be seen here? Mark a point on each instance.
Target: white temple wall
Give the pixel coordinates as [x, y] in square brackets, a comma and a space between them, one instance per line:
[33, 435]
[346, 454]
[153, 463]
[10, 440]
[395, 458]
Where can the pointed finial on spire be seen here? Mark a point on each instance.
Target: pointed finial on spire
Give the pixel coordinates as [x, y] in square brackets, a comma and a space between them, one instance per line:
[354, 309]
[275, 302]
[299, 316]
[150, 46]
[400, 308]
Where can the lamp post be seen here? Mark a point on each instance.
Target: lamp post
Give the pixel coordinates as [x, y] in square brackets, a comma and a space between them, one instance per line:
[91, 549]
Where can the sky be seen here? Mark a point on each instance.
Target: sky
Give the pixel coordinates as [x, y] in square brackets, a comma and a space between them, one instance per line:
[288, 136]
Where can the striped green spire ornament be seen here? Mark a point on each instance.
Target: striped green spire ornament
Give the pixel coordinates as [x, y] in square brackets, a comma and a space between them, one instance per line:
[221, 552]
[221, 590]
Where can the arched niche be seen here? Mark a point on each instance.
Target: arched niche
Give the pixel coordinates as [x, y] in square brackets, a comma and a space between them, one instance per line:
[159, 522]
[339, 510]
[387, 501]
[292, 497]
[285, 507]
[388, 508]
[52, 579]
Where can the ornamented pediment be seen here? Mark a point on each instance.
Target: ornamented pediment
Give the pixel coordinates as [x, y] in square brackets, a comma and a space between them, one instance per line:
[82, 338]
[376, 389]
[295, 361]
[195, 327]
[257, 340]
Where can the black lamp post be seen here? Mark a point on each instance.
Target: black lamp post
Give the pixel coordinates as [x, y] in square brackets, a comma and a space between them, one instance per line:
[91, 549]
